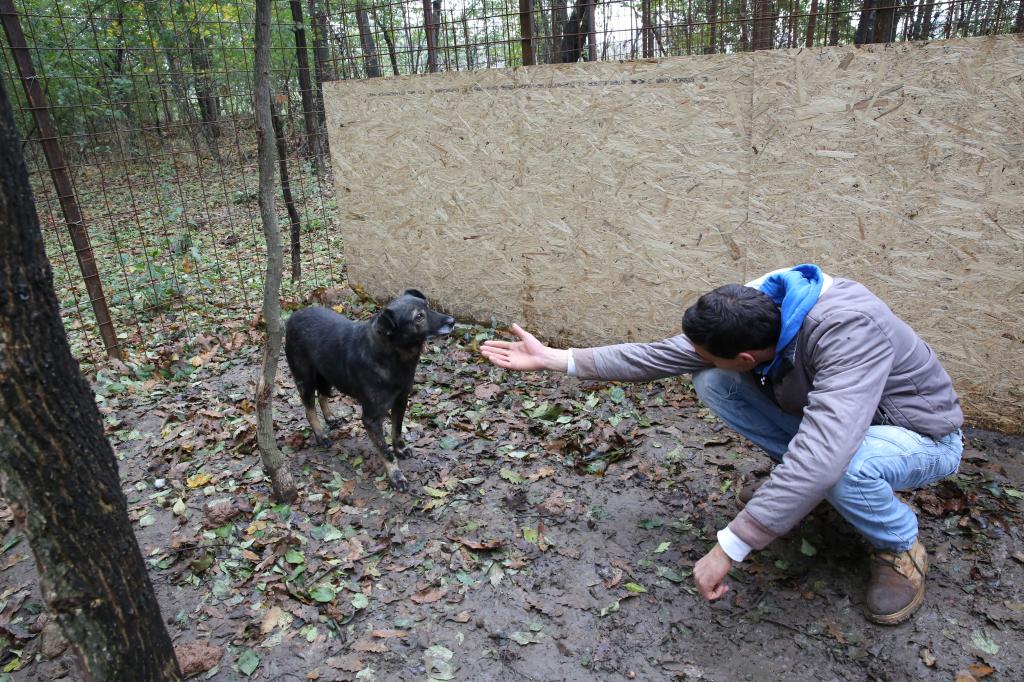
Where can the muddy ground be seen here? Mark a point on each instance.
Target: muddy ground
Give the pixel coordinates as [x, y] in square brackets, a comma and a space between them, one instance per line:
[550, 535]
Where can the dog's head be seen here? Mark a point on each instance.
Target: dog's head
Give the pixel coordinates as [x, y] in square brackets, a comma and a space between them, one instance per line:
[409, 320]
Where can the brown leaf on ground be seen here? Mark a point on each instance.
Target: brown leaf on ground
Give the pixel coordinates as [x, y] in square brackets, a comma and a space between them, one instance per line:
[349, 663]
[835, 631]
[479, 544]
[271, 619]
[197, 657]
[927, 657]
[384, 634]
[429, 596]
[461, 617]
[486, 390]
[369, 646]
[220, 513]
[980, 670]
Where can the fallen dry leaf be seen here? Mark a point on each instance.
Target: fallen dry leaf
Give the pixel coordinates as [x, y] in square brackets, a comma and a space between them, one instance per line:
[980, 670]
[271, 619]
[384, 634]
[197, 657]
[368, 645]
[927, 657]
[349, 663]
[429, 596]
[461, 617]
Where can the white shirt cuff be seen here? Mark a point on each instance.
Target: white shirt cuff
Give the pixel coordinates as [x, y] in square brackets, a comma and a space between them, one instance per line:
[734, 548]
[570, 367]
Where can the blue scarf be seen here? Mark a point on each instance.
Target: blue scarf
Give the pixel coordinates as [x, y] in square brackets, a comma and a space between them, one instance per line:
[795, 291]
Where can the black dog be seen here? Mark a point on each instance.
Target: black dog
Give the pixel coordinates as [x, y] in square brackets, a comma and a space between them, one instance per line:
[373, 362]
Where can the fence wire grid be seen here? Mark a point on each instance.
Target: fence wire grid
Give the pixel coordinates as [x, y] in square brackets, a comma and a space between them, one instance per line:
[151, 107]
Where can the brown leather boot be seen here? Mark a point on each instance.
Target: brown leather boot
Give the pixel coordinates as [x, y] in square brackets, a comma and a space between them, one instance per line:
[896, 587]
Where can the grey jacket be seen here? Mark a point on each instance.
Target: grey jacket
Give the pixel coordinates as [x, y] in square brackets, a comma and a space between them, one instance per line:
[854, 364]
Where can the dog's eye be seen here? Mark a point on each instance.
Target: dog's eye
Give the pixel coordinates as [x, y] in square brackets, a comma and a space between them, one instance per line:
[419, 316]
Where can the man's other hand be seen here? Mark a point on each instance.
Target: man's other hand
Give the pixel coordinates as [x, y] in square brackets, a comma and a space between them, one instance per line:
[709, 572]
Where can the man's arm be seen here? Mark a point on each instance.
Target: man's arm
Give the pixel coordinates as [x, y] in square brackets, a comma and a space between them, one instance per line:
[620, 362]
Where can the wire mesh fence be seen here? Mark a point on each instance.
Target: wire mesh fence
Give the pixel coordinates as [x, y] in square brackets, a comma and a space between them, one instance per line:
[151, 107]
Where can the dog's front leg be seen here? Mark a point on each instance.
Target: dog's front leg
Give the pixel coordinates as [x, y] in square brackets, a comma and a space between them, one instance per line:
[402, 450]
[375, 430]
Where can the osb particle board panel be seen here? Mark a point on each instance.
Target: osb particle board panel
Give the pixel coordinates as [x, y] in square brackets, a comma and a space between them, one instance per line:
[593, 202]
[567, 198]
[902, 166]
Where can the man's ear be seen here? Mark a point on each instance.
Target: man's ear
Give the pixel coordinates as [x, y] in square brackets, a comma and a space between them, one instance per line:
[748, 360]
[385, 323]
[414, 292]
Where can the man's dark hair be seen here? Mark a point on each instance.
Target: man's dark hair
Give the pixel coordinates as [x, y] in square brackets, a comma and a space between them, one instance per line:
[731, 319]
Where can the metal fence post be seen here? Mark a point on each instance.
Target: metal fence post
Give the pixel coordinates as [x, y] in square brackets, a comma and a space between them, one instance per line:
[61, 176]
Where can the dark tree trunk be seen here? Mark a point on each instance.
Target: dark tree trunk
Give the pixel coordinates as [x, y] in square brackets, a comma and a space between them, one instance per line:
[744, 33]
[206, 92]
[57, 470]
[469, 48]
[286, 192]
[558, 21]
[321, 60]
[812, 23]
[713, 26]
[764, 25]
[1018, 22]
[574, 34]
[886, 20]
[309, 117]
[281, 482]
[866, 24]
[370, 59]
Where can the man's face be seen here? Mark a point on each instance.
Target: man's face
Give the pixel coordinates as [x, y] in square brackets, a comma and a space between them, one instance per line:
[743, 362]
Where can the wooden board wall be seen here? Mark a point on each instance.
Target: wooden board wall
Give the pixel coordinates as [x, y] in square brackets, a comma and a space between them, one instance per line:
[593, 202]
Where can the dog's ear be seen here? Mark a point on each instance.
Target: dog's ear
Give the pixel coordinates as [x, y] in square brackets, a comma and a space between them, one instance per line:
[385, 323]
[414, 292]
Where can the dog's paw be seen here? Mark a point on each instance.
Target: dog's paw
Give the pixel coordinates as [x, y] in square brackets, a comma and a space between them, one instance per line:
[403, 451]
[398, 481]
[323, 441]
[333, 422]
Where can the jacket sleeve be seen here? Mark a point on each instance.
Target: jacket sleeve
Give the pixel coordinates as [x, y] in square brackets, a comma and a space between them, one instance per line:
[638, 361]
[852, 358]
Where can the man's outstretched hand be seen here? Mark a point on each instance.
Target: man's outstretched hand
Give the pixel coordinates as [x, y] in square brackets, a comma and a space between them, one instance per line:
[525, 355]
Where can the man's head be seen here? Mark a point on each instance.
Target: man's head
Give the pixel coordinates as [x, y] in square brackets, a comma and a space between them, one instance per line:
[734, 327]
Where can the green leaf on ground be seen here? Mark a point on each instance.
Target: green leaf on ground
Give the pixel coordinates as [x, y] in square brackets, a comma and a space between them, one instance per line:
[648, 524]
[806, 548]
[511, 476]
[434, 492]
[663, 547]
[635, 588]
[448, 443]
[293, 556]
[360, 600]
[986, 645]
[1010, 492]
[248, 662]
[322, 593]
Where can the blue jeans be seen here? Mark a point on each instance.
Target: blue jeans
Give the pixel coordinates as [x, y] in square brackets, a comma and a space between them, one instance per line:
[890, 458]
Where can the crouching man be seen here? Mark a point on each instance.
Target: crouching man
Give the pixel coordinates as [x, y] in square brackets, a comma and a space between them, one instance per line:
[841, 394]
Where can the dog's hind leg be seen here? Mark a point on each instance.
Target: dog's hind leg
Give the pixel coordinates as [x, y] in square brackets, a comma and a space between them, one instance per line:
[314, 423]
[325, 407]
[375, 430]
[401, 448]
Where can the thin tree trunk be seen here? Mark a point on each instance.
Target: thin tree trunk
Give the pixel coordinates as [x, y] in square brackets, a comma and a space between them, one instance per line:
[558, 20]
[469, 48]
[389, 39]
[286, 191]
[812, 23]
[309, 117]
[574, 33]
[1018, 22]
[713, 26]
[320, 59]
[57, 469]
[370, 59]
[273, 460]
[592, 29]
